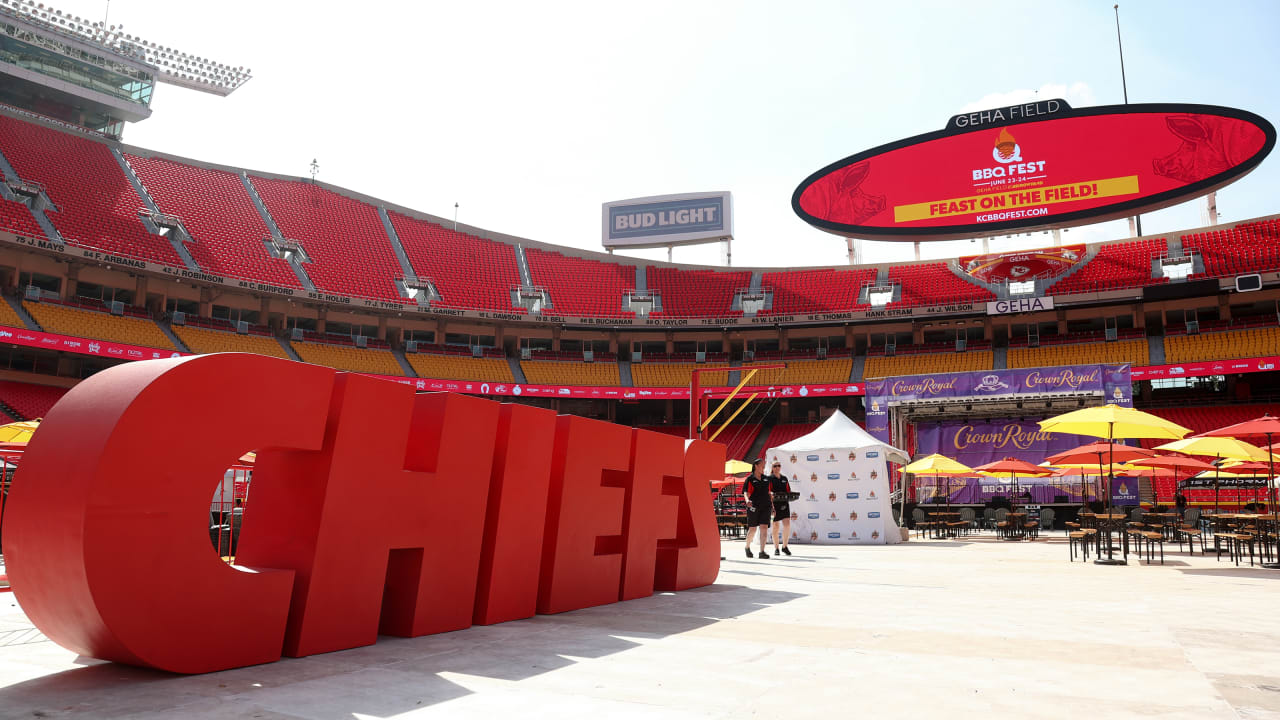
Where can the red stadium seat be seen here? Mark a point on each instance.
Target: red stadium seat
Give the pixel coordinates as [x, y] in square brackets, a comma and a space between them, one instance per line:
[813, 291]
[96, 205]
[225, 227]
[469, 272]
[934, 284]
[1116, 266]
[339, 234]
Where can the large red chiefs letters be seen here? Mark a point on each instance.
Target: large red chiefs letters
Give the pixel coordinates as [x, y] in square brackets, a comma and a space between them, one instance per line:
[373, 510]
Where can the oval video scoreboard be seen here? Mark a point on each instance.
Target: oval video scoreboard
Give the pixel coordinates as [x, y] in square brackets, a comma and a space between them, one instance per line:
[1042, 164]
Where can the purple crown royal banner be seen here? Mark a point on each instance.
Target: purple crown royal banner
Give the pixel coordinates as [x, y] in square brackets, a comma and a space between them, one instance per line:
[1112, 381]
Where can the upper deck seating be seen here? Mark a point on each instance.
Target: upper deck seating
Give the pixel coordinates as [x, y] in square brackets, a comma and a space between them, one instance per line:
[696, 293]
[580, 286]
[469, 272]
[344, 238]
[227, 233]
[1116, 266]
[96, 205]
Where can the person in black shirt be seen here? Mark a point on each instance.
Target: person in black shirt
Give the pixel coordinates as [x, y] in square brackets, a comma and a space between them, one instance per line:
[778, 483]
[755, 489]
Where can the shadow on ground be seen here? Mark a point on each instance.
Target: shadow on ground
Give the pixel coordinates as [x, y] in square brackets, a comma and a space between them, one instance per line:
[394, 676]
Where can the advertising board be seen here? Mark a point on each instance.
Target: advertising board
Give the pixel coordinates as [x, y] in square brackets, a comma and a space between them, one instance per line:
[661, 220]
[1036, 165]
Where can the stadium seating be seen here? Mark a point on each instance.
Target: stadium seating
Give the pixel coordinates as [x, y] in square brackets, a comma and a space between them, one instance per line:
[226, 230]
[919, 364]
[802, 372]
[29, 399]
[1116, 266]
[580, 286]
[457, 367]
[348, 357]
[16, 218]
[203, 340]
[783, 434]
[1132, 351]
[338, 234]
[96, 205]
[649, 374]
[1244, 248]
[67, 320]
[470, 272]
[812, 291]
[564, 372]
[696, 293]
[8, 317]
[934, 284]
[1211, 417]
[737, 437]
[1258, 342]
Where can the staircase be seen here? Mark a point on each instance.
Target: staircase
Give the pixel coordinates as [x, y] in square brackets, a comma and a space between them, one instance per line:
[1146, 493]
[8, 410]
[177, 238]
[173, 337]
[16, 304]
[396, 246]
[288, 349]
[855, 373]
[735, 376]
[1000, 290]
[398, 354]
[1155, 350]
[642, 278]
[758, 446]
[999, 358]
[624, 373]
[41, 219]
[1090, 252]
[517, 372]
[292, 259]
[522, 263]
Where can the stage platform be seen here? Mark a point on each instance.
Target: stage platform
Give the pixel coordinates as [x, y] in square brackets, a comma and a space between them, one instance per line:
[971, 628]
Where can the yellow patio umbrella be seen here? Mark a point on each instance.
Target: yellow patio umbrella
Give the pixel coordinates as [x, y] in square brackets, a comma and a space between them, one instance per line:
[1114, 421]
[19, 432]
[1221, 448]
[736, 467]
[1111, 422]
[936, 466]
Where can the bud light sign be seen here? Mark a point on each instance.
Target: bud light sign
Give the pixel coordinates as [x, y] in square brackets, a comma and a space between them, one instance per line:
[668, 220]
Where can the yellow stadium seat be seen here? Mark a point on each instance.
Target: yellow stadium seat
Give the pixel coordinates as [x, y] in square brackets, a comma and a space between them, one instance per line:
[568, 372]
[1258, 342]
[674, 375]
[97, 325]
[1120, 351]
[454, 367]
[896, 365]
[349, 357]
[203, 340]
[802, 372]
[8, 317]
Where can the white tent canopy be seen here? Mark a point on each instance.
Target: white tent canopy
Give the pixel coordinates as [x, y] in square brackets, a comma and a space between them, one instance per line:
[840, 432]
[842, 476]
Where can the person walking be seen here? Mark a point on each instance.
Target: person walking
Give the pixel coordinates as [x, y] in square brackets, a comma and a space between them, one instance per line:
[755, 489]
[779, 486]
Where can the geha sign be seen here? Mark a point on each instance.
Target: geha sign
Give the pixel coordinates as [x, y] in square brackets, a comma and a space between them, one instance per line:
[358, 485]
[1035, 165]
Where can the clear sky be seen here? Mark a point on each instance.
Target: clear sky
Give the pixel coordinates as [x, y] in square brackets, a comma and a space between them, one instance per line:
[530, 115]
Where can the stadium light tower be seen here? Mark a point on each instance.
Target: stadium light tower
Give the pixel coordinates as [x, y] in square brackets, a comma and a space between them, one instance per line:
[101, 77]
[315, 169]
